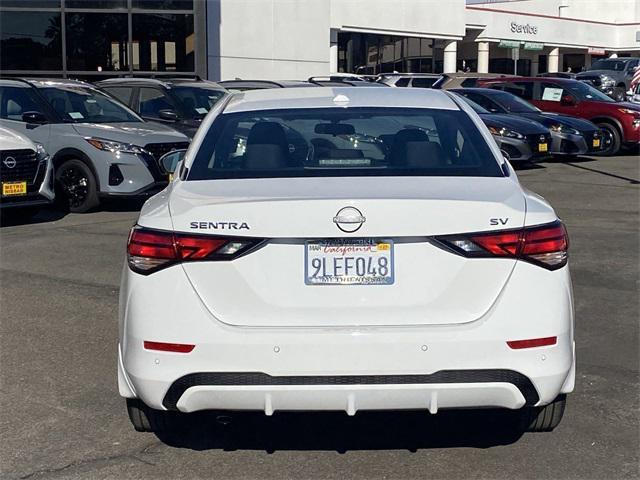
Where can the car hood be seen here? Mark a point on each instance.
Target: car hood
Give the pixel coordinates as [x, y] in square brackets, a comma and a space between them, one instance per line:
[548, 119]
[597, 73]
[512, 122]
[137, 133]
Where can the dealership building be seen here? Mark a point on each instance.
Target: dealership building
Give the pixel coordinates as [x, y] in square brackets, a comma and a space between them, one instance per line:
[296, 39]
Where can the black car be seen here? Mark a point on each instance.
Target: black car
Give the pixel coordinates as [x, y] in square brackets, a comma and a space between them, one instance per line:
[569, 135]
[181, 103]
[520, 139]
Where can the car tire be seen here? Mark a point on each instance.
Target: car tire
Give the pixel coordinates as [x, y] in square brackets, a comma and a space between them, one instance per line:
[612, 134]
[76, 184]
[543, 419]
[147, 419]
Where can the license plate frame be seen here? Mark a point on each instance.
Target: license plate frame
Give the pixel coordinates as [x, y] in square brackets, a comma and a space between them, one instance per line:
[14, 189]
[384, 248]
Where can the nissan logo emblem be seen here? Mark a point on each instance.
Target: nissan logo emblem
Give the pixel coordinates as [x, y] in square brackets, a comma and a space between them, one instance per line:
[349, 219]
[10, 162]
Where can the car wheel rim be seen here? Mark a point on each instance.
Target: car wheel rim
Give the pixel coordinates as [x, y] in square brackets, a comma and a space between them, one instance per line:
[607, 139]
[75, 185]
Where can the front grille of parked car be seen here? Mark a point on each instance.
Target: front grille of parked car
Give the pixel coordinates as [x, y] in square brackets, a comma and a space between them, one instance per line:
[24, 165]
[535, 140]
[592, 79]
[159, 149]
[156, 151]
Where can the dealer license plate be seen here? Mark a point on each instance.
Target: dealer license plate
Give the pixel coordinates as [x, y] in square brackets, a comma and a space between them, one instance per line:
[349, 262]
[543, 147]
[596, 142]
[14, 188]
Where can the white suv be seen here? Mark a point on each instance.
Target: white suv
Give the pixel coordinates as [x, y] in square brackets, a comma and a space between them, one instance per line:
[26, 172]
[345, 249]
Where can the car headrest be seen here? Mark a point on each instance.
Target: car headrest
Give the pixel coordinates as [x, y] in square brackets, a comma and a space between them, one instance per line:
[270, 133]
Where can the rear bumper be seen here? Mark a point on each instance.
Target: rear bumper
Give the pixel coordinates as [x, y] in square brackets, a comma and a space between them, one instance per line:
[352, 368]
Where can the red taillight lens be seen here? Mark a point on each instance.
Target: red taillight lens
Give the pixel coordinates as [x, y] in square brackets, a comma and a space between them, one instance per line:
[531, 343]
[545, 245]
[150, 250]
[168, 347]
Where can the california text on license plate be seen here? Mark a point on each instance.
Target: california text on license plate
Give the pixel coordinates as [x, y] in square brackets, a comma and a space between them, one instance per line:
[349, 262]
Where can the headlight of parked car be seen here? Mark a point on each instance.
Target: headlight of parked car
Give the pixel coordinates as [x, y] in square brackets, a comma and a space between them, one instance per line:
[505, 132]
[564, 129]
[607, 81]
[41, 153]
[113, 146]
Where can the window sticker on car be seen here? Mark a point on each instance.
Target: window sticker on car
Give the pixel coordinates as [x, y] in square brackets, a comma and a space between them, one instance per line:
[76, 115]
[552, 94]
[201, 110]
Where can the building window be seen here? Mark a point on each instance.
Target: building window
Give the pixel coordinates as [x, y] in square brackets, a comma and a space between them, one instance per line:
[163, 42]
[30, 40]
[95, 4]
[30, 3]
[97, 42]
[372, 54]
[164, 4]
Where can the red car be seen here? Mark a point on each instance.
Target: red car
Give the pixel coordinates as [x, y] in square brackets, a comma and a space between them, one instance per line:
[620, 121]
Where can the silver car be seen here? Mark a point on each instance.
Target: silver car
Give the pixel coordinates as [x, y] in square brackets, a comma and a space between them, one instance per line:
[99, 147]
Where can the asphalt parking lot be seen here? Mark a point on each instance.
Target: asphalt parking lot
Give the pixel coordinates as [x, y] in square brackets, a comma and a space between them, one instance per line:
[62, 416]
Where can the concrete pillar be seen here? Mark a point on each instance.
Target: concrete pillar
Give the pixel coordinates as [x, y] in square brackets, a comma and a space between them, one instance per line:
[450, 57]
[333, 51]
[553, 60]
[333, 58]
[535, 64]
[483, 57]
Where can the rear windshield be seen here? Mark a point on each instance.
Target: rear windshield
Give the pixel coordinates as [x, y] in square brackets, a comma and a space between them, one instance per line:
[332, 142]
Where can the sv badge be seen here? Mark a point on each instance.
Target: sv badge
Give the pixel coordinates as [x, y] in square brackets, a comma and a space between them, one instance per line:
[498, 221]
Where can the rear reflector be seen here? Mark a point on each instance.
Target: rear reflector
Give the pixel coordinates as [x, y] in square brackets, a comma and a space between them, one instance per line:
[150, 250]
[544, 245]
[534, 342]
[168, 347]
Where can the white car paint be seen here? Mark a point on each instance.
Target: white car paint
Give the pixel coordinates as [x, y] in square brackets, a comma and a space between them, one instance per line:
[255, 313]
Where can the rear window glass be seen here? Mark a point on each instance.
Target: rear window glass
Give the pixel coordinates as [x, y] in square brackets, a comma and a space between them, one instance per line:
[331, 142]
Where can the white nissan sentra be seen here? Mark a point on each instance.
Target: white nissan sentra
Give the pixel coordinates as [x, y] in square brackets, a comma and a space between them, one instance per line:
[345, 249]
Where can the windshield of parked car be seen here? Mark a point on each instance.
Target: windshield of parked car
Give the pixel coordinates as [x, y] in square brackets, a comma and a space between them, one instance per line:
[78, 104]
[584, 91]
[330, 142]
[608, 64]
[513, 103]
[197, 101]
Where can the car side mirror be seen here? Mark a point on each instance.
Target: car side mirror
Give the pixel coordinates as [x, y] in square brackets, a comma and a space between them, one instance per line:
[567, 101]
[36, 118]
[168, 115]
[169, 161]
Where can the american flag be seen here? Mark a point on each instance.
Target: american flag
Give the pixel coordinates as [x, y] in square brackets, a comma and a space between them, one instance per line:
[636, 79]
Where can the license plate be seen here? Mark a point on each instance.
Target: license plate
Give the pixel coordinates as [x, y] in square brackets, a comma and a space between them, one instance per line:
[596, 142]
[14, 188]
[543, 147]
[349, 262]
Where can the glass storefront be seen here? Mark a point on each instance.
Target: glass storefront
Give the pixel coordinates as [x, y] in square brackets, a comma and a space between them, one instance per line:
[371, 54]
[99, 38]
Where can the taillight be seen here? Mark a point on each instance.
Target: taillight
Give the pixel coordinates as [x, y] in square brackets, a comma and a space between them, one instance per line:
[544, 245]
[151, 250]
